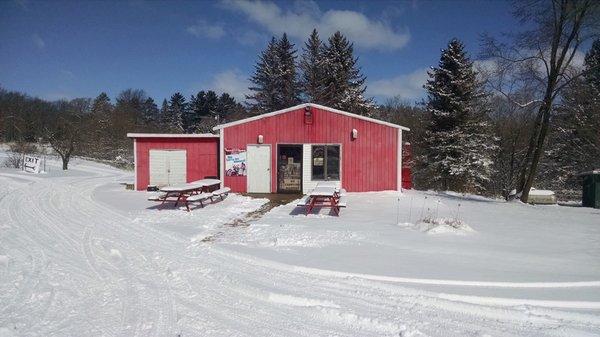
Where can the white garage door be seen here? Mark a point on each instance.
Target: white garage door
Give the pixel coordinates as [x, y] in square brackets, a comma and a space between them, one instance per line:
[167, 167]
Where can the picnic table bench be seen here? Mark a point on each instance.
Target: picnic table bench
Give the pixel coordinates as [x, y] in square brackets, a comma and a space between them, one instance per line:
[198, 190]
[324, 196]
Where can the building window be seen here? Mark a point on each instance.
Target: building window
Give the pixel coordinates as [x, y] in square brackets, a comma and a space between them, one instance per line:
[325, 162]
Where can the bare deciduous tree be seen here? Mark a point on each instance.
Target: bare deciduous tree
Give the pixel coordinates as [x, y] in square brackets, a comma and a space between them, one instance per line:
[66, 134]
[541, 60]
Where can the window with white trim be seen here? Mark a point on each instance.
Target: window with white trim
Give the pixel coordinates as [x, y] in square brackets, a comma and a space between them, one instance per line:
[325, 162]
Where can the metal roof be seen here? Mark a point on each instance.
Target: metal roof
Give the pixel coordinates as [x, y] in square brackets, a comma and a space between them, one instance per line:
[301, 106]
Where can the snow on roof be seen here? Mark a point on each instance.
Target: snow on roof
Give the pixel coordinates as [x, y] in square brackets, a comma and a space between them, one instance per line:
[301, 106]
[171, 135]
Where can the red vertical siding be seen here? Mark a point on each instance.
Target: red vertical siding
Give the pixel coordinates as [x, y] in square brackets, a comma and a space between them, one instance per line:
[201, 153]
[369, 163]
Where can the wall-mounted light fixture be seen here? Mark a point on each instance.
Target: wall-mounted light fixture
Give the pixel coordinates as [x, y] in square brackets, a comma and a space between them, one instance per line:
[260, 139]
[354, 134]
[308, 115]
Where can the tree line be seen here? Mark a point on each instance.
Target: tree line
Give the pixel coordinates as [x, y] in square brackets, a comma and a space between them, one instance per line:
[327, 73]
[530, 117]
[97, 127]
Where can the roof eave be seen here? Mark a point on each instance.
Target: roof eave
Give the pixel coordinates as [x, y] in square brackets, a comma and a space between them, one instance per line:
[300, 106]
[171, 135]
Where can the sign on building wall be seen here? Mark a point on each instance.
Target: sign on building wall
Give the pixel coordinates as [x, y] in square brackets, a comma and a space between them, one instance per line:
[235, 163]
[32, 164]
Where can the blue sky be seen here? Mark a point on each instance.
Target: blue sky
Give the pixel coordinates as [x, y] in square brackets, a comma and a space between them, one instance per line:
[68, 49]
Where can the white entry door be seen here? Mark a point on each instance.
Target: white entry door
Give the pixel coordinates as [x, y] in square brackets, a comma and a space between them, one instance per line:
[258, 168]
[168, 167]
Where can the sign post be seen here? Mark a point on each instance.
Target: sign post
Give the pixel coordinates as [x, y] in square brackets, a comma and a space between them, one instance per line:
[32, 164]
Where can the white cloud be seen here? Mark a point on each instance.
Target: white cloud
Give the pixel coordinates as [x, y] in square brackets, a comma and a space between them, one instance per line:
[407, 86]
[299, 21]
[38, 41]
[205, 29]
[232, 82]
[251, 37]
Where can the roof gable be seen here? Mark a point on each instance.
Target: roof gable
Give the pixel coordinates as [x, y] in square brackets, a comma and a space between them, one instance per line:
[302, 106]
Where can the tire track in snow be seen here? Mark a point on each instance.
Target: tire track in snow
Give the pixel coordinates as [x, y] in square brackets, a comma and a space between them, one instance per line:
[221, 293]
[440, 299]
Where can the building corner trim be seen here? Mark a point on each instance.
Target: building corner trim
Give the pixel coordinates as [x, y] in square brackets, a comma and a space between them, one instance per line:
[222, 157]
[399, 160]
[135, 165]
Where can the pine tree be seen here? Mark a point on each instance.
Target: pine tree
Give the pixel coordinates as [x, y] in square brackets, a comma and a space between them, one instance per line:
[201, 107]
[150, 112]
[164, 114]
[264, 81]
[175, 112]
[275, 83]
[592, 65]
[311, 66]
[194, 112]
[226, 106]
[101, 112]
[343, 82]
[458, 145]
[289, 89]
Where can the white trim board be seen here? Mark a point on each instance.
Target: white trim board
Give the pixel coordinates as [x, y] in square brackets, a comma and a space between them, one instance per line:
[135, 166]
[399, 162]
[221, 157]
[301, 106]
[171, 135]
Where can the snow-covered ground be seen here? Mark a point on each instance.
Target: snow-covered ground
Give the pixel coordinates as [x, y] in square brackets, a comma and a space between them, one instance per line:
[81, 256]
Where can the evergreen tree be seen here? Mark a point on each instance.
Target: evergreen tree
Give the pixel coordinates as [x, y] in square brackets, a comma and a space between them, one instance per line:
[101, 104]
[194, 111]
[458, 145]
[175, 112]
[164, 113]
[226, 106]
[201, 107]
[264, 81]
[311, 66]
[343, 83]
[275, 83]
[289, 89]
[592, 65]
[101, 112]
[150, 112]
[210, 103]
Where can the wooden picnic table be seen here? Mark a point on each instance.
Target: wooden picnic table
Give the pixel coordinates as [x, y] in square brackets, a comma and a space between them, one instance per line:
[324, 196]
[180, 192]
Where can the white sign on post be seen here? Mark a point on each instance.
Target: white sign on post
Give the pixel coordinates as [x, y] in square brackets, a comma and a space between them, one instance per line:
[32, 164]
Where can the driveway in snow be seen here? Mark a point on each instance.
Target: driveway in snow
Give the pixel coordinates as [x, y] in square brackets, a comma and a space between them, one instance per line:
[80, 256]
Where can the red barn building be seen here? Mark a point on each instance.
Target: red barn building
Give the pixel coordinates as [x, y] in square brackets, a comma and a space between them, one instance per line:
[167, 159]
[291, 150]
[286, 151]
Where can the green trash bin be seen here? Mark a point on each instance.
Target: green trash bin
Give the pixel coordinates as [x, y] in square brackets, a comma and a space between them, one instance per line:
[591, 189]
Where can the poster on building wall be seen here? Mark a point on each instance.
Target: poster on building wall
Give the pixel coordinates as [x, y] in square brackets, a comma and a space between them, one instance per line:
[235, 163]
